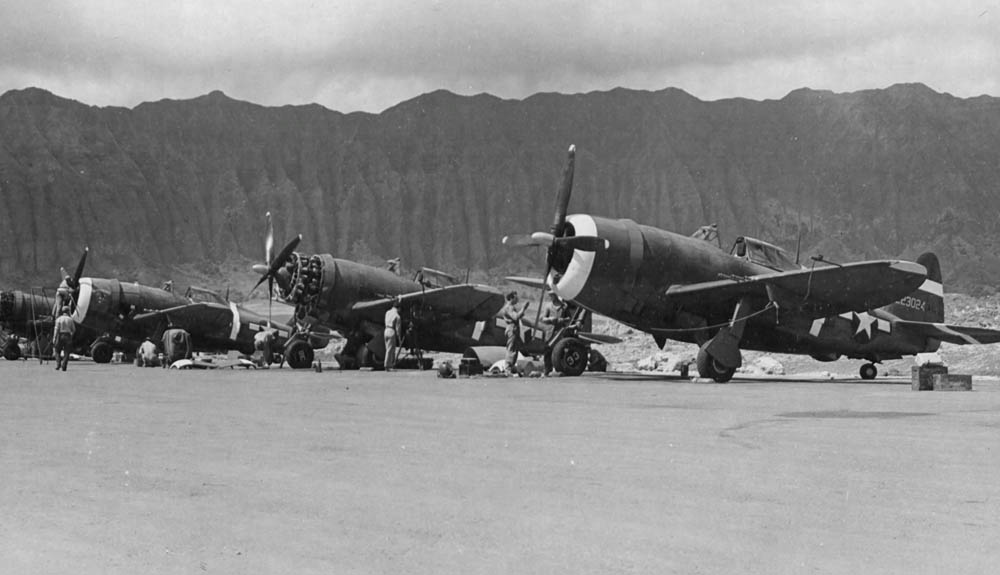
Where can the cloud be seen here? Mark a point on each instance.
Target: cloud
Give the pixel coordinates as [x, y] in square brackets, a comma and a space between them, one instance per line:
[368, 55]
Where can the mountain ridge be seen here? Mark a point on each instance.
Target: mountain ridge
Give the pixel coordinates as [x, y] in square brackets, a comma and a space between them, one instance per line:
[440, 178]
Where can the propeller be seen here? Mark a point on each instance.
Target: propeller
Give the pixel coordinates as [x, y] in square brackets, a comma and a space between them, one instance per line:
[273, 264]
[276, 263]
[268, 252]
[554, 240]
[565, 190]
[71, 282]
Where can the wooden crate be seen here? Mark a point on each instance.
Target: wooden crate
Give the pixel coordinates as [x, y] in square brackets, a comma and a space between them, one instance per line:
[922, 376]
[951, 382]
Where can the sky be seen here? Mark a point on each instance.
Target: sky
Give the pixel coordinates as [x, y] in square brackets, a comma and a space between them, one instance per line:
[368, 55]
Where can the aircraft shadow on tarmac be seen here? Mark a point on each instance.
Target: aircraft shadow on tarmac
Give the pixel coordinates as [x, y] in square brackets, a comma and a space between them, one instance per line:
[766, 380]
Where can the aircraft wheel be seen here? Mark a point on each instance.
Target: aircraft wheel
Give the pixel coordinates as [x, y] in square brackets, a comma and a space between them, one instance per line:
[597, 361]
[868, 371]
[365, 358]
[569, 356]
[12, 351]
[708, 366]
[101, 352]
[299, 355]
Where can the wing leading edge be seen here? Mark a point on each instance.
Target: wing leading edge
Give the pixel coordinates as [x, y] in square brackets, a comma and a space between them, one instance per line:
[472, 302]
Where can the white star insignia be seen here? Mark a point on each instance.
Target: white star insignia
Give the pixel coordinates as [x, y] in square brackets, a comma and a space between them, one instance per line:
[865, 323]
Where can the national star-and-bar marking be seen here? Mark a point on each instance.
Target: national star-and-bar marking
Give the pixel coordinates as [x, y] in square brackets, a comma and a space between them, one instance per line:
[865, 325]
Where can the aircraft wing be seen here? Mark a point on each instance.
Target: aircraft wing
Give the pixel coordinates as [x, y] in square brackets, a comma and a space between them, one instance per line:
[957, 334]
[207, 316]
[817, 292]
[472, 302]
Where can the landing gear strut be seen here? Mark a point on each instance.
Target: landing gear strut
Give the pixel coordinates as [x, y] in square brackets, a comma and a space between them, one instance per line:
[719, 357]
[868, 371]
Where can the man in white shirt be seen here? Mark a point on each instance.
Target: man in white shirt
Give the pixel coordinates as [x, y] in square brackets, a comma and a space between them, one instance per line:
[62, 338]
[392, 326]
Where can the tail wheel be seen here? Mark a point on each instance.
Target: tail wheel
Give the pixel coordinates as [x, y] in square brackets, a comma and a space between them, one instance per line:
[12, 351]
[101, 352]
[299, 354]
[710, 367]
[868, 371]
[597, 361]
[569, 356]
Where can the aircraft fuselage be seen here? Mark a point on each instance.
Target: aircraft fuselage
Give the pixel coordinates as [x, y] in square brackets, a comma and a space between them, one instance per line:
[629, 282]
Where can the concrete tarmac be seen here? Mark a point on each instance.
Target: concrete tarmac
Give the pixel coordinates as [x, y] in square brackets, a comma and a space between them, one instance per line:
[117, 469]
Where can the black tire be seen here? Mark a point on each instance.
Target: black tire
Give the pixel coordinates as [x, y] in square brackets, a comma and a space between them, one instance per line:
[709, 367]
[366, 358]
[597, 361]
[101, 352]
[347, 357]
[299, 354]
[569, 356]
[12, 351]
[868, 371]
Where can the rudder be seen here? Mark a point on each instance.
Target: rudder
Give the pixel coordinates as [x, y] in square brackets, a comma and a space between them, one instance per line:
[927, 302]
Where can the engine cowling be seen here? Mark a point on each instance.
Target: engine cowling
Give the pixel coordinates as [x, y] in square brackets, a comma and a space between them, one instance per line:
[627, 281]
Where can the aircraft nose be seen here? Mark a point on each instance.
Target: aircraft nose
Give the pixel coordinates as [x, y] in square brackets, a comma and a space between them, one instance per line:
[260, 269]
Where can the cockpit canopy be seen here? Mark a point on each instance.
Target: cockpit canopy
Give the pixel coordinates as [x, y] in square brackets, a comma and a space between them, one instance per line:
[202, 295]
[763, 253]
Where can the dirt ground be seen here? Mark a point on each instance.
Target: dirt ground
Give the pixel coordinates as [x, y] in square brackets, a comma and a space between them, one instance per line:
[116, 469]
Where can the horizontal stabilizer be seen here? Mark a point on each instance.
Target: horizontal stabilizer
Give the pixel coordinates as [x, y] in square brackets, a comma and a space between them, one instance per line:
[957, 334]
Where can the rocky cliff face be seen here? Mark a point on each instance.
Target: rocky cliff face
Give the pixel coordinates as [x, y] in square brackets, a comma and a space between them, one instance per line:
[438, 180]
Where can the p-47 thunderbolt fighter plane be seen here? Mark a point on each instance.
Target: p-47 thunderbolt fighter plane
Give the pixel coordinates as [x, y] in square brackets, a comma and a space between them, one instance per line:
[123, 314]
[753, 297]
[352, 299]
[29, 315]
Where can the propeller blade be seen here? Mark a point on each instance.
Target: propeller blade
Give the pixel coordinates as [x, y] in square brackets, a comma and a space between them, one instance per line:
[270, 296]
[518, 241]
[541, 299]
[524, 240]
[536, 283]
[79, 268]
[283, 255]
[565, 190]
[257, 285]
[268, 239]
[278, 261]
[583, 243]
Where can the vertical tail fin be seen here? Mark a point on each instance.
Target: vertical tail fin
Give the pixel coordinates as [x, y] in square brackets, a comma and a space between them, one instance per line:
[927, 302]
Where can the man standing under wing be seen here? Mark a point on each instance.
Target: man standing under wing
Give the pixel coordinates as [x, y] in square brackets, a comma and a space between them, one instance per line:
[513, 316]
[392, 325]
[62, 338]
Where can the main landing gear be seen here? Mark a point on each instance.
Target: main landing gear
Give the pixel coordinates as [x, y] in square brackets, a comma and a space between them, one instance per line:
[868, 371]
[710, 367]
[719, 357]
